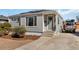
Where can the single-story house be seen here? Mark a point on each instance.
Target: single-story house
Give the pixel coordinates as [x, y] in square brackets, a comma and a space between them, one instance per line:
[38, 20]
[3, 19]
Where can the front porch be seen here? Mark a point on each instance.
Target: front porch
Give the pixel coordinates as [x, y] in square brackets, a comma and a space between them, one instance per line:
[49, 23]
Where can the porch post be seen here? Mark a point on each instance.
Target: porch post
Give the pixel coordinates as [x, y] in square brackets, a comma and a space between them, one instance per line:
[53, 27]
[43, 23]
[56, 23]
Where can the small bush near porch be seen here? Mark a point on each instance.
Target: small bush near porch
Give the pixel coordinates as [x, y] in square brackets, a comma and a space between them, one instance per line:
[18, 32]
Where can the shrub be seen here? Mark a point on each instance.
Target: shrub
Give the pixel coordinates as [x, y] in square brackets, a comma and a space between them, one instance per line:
[18, 31]
[1, 32]
[15, 34]
[5, 27]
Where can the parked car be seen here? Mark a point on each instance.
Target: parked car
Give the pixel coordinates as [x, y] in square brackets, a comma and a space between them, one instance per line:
[69, 26]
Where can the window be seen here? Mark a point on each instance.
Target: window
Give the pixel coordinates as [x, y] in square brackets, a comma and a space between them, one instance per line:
[26, 21]
[70, 23]
[13, 19]
[16, 19]
[58, 20]
[31, 21]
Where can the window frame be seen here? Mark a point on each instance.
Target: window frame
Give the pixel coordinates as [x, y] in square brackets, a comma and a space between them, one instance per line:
[31, 21]
[15, 19]
[34, 20]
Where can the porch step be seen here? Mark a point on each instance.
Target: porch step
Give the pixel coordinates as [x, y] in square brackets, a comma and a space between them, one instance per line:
[48, 34]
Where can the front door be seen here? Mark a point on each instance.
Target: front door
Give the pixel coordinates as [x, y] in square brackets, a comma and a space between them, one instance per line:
[50, 23]
[45, 24]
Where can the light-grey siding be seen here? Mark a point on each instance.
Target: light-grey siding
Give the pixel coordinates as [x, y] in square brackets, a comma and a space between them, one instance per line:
[40, 27]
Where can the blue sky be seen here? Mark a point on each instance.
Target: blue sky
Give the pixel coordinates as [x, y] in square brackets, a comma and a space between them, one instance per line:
[8, 12]
[66, 13]
[69, 13]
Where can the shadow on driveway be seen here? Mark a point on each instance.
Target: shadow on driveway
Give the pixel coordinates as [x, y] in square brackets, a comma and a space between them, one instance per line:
[76, 33]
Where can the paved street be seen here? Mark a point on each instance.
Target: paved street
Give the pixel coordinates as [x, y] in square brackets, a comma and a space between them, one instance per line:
[61, 41]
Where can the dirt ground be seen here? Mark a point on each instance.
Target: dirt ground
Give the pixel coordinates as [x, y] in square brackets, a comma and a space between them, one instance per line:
[8, 43]
[61, 41]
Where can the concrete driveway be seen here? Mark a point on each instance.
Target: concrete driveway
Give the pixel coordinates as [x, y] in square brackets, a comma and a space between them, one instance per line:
[61, 41]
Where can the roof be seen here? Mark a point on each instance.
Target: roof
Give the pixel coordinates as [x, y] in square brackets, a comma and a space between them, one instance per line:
[37, 12]
[3, 17]
[32, 12]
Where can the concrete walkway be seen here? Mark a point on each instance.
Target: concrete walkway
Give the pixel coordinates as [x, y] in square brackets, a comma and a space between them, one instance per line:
[42, 43]
[36, 44]
[62, 41]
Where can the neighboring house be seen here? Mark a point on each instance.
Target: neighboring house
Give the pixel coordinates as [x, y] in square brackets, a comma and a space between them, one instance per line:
[38, 21]
[77, 22]
[77, 25]
[3, 19]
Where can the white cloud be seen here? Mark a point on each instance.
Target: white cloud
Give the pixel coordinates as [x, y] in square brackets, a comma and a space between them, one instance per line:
[68, 11]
